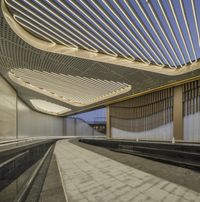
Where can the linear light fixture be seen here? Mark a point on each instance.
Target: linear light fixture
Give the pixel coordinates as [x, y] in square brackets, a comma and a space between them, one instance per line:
[139, 20]
[49, 107]
[124, 36]
[74, 90]
[106, 33]
[171, 30]
[143, 38]
[83, 28]
[134, 30]
[179, 28]
[187, 27]
[165, 35]
[196, 21]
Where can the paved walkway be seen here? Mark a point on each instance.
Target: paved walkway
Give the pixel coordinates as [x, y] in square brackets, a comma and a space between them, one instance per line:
[91, 177]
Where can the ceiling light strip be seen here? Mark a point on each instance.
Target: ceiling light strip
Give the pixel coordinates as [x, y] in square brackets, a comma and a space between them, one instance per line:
[133, 12]
[62, 27]
[153, 28]
[123, 33]
[45, 78]
[69, 25]
[41, 30]
[171, 29]
[45, 27]
[112, 53]
[33, 30]
[83, 83]
[187, 27]
[62, 85]
[19, 81]
[106, 33]
[86, 81]
[163, 32]
[179, 28]
[113, 27]
[195, 20]
[67, 88]
[13, 7]
[141, 35]
[90, 27]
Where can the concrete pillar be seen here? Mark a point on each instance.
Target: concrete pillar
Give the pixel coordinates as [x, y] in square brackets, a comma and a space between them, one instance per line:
[64, 126]
[75, 126]
[108, 124]
[178, 113]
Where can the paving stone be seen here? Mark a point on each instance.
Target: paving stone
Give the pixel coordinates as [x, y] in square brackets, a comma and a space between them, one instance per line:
[142, 198]
[171, 197]
[91, 177]
[156, 193]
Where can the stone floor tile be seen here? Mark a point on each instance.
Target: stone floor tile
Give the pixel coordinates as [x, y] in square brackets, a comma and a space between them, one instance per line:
[90, 177]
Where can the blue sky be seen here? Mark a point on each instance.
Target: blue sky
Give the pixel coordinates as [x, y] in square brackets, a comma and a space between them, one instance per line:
[92, 116]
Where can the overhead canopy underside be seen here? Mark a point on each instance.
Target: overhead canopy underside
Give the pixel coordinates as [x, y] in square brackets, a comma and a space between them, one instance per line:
[98, 56]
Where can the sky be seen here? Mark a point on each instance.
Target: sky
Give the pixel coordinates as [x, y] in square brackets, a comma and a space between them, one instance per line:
[93, 116]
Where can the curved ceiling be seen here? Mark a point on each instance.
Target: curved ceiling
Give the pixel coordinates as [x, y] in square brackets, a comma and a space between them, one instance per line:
[160, 33]
[48, 107]
[17, 54]
[74, 90]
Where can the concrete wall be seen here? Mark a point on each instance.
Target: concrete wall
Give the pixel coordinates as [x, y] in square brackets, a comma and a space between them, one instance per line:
[192, 120]
[7, 110]
[31, 123]
[17, 119]
[192, 127]
[78, 127]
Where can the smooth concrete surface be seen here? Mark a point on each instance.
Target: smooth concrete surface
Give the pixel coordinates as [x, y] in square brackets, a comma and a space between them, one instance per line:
[18, 120]
[31, 123]
[88, 176]
[8, 110]
[192, 127]
[78, 127]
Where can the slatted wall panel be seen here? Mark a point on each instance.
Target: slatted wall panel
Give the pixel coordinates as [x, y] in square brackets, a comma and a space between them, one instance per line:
[146, 117]
[191, 105]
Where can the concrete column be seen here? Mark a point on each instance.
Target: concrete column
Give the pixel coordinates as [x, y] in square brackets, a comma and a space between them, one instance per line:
[17, 118]
[108, 124]
[75, 125]
[64, 127]
[178, 113]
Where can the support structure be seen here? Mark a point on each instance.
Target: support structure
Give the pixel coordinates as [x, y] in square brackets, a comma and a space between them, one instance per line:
[178, 113]
[108, 124]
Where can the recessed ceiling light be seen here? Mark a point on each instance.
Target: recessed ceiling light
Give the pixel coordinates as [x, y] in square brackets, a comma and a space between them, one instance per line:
[49, 107]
